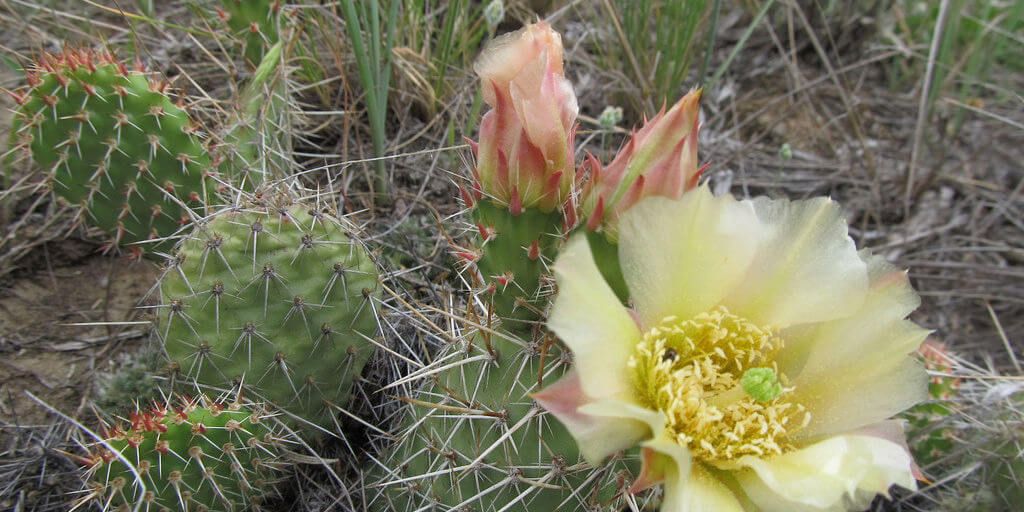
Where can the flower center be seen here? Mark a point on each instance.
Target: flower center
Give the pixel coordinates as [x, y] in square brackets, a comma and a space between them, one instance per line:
[714, 379]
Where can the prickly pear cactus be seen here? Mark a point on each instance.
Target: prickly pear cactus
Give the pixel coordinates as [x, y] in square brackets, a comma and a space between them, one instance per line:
[255, 22]
[978, 465]
[114, 142]
[524, 173]
[476, 440]
[514, 247]
[274, 298]
[196, 456]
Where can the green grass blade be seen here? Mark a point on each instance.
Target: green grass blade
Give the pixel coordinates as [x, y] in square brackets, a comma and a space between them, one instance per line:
[741, 43]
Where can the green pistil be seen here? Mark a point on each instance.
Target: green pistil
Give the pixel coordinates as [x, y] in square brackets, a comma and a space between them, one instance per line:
[761, 384]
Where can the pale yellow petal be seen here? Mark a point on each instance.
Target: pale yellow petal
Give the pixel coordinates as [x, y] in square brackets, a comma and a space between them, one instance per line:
[698, 491]
[856, 371]
[653, 421]
[689, 485]
[589, 318]
[877, 329]
[806, 270]
[681, 257]
[596, 435]
[662, 457]
[842, 473]
[843, 401]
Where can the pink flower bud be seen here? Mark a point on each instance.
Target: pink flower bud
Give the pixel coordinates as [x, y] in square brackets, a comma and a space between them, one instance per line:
[526, 139]
[659, 160]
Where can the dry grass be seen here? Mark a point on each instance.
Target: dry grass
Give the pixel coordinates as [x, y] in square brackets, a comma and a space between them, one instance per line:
[814, 83]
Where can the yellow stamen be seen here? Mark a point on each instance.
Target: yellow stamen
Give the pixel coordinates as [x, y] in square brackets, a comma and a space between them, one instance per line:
[714, 379]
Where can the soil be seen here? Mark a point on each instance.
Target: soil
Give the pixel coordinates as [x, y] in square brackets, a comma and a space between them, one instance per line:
[44, 348]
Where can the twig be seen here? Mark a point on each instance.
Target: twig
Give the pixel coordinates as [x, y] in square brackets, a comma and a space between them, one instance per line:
[1002, 336]
[922, 108]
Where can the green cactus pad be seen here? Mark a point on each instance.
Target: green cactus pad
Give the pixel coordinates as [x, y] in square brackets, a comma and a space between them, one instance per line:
[114, 143]
[197, 456]
[255, 22]
[513, 259]
[257, 139]
[275, 298]
[476, 440]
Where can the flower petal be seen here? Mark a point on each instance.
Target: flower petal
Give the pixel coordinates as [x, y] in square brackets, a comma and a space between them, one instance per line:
[856, 371]
[893, 431]
[698, 491]
[596, 436]
[663, 459]
[681, 257]
[689, 486]
[652, 420]
[807, 269]
[840, 473]
[589, 318]
[841, 402]
[867, 332]
[505, 56]
[603, 427]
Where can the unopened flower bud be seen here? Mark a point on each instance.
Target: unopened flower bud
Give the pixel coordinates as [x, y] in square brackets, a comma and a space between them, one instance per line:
[525, 152]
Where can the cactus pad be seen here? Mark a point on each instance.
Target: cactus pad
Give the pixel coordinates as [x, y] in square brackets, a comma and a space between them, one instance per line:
[196, 456]
[476, 440]
[255, 22]
[277, 299]
[114, 143]
[257, 142]
[516, 247]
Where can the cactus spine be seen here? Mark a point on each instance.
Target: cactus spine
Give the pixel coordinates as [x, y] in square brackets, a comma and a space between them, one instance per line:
[197, 456]
[114, 143]
[276, 299]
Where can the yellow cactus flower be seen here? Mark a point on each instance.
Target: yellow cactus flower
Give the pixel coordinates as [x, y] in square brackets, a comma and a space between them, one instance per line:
[758, 363]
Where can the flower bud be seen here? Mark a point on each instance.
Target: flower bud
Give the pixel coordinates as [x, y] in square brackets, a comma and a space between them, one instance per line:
[659, 160]
[494, 13]
[525, 153]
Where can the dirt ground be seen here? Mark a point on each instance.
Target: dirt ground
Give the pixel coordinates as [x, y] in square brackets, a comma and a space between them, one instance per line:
[44, 347]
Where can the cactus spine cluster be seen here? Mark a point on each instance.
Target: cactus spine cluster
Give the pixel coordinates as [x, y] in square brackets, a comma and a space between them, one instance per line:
[194, 456]
[274, 298]
[114, 143]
